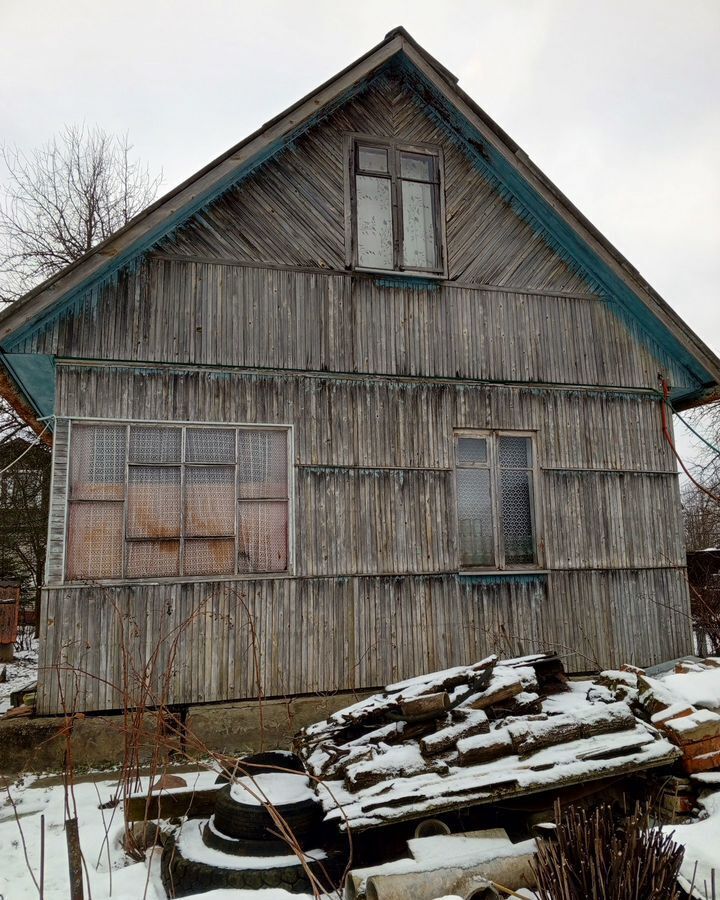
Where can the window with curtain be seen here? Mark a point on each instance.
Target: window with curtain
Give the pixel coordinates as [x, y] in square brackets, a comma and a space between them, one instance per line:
[396, 200]
[495, 499]
[164, 501]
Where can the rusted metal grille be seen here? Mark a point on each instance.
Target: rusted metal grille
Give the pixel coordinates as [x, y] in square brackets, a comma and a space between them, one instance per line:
[161, 558]
[152, 501]
[204, 557]
[95, 540]
[98, 462]
[209, 501]
[155, 445]
[263, 540]
[262, 464]
[210, 445]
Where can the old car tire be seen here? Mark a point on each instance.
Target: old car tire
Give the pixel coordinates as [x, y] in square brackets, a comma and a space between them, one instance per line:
[182, 877]
[269, 846]
[253, 822]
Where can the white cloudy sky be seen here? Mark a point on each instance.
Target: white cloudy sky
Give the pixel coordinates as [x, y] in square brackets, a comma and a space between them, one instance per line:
[618, 101]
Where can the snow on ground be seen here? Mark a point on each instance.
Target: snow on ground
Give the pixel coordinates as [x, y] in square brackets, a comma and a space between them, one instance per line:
[21, 671]
[106, 863]
[702, 844]
[113, 876]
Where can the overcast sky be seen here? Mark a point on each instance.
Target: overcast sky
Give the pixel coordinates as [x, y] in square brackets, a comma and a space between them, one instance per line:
[617, 101]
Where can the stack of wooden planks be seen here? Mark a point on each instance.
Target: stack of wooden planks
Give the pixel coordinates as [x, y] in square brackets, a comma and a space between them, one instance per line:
[692, 727]
[472, 735]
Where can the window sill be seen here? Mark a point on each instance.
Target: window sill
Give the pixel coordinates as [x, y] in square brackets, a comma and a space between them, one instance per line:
[399, 275]
[177, 579]
[495, 572]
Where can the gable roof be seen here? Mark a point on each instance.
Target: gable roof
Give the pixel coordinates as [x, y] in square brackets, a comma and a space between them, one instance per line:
[483, 137]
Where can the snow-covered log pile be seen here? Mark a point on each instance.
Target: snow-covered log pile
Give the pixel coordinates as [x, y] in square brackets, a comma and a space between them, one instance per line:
[472, 735]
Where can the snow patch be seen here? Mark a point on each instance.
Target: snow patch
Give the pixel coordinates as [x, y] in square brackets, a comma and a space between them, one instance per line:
[190, 844]
[276, 788]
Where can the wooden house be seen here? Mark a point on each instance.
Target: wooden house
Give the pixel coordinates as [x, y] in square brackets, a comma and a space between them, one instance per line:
[365, 397]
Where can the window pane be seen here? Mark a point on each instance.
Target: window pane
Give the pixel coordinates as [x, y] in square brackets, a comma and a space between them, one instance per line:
[210, 445]
[95, 540]
[263, 537]
[210, 500]
[374, 222]
[263, 464]
[417, 165]
[153, 559]
[372, 159]
[515, 452]
[516, 491]
[419, 251]
[472, 451]
[98, 462]
[153, 502]
[155, 445]
[475, 517]
[209, 557]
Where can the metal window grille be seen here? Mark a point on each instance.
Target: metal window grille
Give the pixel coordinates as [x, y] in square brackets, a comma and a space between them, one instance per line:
[495, 500]
[163, 501]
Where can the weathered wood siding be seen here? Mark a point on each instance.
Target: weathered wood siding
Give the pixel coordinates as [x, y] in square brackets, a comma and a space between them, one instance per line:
[224, 315]
[291, 210]
[327, 634]
[375, 594]
[247, 314]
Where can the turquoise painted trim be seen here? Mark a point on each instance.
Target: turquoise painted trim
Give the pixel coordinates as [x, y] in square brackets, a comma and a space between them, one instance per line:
[497, 578]
[407, 281]
[530, 206]
[133, 255]
[36, 373]
[526, 202]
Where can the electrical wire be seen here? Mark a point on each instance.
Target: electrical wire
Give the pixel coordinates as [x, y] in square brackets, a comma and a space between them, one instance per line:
[668, 438]
[697, 434]
[26, 450]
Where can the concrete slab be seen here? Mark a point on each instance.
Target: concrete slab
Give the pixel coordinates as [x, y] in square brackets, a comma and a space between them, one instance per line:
[98, 742]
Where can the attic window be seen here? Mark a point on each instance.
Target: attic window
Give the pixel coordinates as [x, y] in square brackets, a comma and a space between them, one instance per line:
[396, 201]
[167, 501]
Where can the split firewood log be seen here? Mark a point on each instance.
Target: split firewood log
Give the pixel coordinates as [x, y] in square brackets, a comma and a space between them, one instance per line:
[484, 747]
[446, 738]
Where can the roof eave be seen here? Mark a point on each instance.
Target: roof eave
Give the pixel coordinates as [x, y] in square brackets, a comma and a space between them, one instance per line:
[116, 249]
[553, 196]
[34, 303]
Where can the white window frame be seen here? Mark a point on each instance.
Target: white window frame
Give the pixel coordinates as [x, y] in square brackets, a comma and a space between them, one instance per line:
[499, 565]
[184, 424]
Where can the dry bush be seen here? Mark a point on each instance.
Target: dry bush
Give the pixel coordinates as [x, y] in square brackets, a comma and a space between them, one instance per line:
[593, 855]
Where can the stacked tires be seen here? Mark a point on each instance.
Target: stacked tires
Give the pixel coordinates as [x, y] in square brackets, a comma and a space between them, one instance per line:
[250, 816]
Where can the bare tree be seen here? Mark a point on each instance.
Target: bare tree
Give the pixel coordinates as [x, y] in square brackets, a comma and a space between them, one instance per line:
[59, 201]
[24, 497]
[63, 198]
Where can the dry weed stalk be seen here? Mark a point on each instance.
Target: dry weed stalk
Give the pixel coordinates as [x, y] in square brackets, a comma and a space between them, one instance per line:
[593, 856]
[145, 694]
